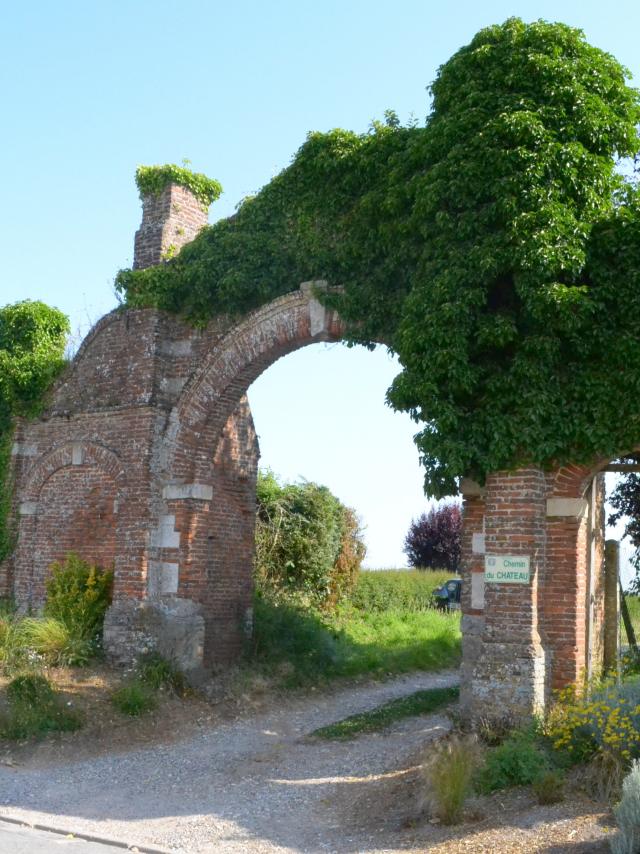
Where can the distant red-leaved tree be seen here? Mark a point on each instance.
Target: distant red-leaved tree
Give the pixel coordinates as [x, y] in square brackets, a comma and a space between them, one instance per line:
[434, 539]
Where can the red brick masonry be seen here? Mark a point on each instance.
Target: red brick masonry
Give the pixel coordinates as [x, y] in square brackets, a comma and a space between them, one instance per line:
[146, 460]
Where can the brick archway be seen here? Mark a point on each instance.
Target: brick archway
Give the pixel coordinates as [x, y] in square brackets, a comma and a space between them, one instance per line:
[233, 363]
[151, 423]
[209, 472]
[146, 456]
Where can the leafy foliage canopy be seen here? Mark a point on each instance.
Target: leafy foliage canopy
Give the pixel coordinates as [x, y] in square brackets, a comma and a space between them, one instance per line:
[496, 250]
[151, 180]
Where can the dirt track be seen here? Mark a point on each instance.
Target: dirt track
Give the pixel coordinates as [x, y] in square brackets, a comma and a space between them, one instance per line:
[259, 784]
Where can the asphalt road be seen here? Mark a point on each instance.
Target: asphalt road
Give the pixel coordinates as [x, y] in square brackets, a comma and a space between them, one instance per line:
[16, 839]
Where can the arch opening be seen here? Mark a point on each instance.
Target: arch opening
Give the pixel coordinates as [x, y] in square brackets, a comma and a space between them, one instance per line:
[209, 488]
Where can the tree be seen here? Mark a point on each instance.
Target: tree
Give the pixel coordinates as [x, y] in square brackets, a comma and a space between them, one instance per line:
[307, 542]
[625, 499]
[434, 539]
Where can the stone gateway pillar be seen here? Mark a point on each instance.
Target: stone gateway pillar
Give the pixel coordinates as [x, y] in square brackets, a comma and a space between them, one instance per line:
[506, 671]
[533, 575]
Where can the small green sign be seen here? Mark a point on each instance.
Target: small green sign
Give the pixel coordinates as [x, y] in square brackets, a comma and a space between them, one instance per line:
[506, 569]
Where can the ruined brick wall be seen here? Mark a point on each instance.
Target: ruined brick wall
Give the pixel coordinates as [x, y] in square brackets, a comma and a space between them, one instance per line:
[169, 221]
[216, 550]
[81, 471]
[146, 459]
[206, 469]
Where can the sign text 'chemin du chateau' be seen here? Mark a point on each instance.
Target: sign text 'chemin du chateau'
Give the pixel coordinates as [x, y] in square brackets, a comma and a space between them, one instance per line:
[506, 569]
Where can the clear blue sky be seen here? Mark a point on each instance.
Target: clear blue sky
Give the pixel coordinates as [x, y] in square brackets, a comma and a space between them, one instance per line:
[93, 89]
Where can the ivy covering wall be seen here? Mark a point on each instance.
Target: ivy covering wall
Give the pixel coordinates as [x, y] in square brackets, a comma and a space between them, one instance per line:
[32, 341]
[151, 180]
[496, 249]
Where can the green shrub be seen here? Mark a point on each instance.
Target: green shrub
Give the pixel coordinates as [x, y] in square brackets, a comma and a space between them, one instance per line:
[8, 607]
[134, 698]
[630, 662]
[78, 595]
[54, 642]
[308, 544]
[397, 589]
[494, 729]
[518, 761]
[24, 722]
[602, 722]
[627, 814]
[35, 708]
[346, 568]
[449, 771]
[159, 674]
[284, 634]
[548, 787]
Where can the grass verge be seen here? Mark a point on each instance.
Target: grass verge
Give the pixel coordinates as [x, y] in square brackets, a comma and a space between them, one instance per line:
[299, 646]
[419, 703]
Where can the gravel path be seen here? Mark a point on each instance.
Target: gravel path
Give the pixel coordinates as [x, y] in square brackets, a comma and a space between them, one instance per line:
[253, 785]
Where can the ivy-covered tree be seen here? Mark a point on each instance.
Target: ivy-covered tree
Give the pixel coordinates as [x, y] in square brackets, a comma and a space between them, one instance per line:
[496, 250]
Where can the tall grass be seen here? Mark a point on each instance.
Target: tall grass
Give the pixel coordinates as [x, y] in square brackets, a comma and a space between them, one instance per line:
[54, 641]
[29, 641]
[299, 645]
[449, 772]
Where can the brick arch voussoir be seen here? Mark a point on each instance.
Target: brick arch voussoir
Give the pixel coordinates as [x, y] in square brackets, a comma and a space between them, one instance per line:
[246, 350]
[572, 481]
[90, 453]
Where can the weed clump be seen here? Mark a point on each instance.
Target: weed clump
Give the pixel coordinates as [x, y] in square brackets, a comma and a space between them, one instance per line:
[134, 699]
[35, 708]
[30, 688]
[160, 674]
[449, 774]
[153, 673]
[518, 761]
[548, 787]
[55, 642]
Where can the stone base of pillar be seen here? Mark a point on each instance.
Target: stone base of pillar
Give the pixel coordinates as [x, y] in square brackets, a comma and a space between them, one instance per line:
[172, 626]
[502, 680]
